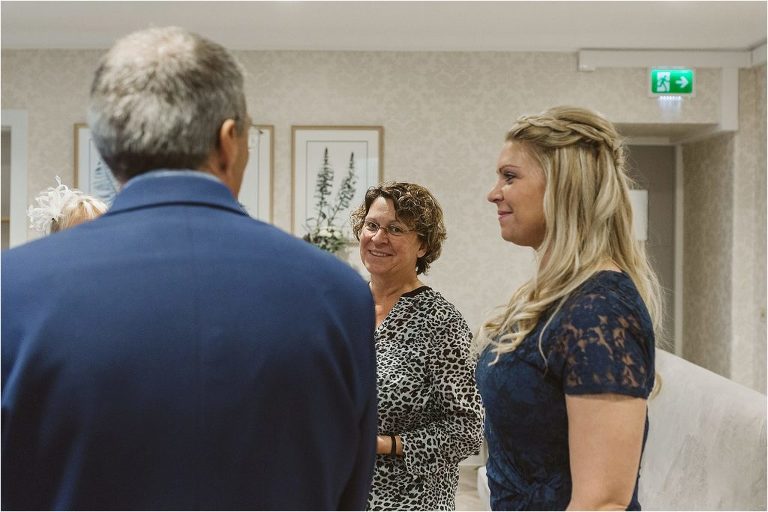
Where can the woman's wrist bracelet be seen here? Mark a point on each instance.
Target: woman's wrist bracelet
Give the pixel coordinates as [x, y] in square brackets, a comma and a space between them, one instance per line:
[393, 451]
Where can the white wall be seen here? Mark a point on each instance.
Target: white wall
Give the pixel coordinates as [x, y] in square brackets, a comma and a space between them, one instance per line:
[444, 117]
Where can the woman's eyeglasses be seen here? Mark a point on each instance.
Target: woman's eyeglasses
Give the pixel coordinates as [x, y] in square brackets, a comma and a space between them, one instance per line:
[394, 230]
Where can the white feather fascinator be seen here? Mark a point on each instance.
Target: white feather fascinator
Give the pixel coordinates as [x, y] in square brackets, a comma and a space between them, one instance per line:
[54, 203]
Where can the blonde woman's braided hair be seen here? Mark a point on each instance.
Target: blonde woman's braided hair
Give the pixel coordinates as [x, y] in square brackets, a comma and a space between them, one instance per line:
[588, 217]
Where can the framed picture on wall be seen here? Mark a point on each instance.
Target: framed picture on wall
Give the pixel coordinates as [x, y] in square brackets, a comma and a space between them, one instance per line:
[256, 190]
[344, 150]
[92, 175]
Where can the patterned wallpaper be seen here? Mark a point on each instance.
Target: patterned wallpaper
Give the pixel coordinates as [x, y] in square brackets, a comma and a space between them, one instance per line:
[725, 243]
[444, 117]
[708, 235]
[760, 229]
[748, 350]
[52, 86]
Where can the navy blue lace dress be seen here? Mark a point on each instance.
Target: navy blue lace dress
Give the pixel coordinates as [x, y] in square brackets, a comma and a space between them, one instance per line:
[601, 341]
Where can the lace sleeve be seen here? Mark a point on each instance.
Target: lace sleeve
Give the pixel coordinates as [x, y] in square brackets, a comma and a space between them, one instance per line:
[605, 345]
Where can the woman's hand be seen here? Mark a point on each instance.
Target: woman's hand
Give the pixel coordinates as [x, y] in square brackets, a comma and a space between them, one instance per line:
[384, 445]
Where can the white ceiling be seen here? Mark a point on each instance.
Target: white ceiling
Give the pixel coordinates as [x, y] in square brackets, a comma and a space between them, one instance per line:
[399, 26]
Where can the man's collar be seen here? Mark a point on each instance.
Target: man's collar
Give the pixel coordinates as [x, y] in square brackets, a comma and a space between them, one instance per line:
[161, 173]
[166, 186]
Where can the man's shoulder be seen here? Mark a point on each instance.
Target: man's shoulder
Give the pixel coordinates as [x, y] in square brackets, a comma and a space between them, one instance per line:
[30, 256]
[296, 252]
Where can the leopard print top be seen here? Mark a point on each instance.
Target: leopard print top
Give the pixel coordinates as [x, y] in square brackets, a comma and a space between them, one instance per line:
[428, 396]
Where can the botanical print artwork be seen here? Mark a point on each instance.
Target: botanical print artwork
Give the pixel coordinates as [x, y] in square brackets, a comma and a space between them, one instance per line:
[92, 175]
[330, 216]
[256, 190]
[103, 183]
[333, 167]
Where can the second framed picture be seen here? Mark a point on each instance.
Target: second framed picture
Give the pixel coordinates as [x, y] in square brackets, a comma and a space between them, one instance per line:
[331, 164]
[92, 175]
[256, 190]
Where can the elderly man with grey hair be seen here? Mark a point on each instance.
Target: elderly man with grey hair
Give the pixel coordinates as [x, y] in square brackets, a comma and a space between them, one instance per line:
[176, 353]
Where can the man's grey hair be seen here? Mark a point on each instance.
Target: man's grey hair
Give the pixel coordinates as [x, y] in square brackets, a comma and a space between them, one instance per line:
[159, 98]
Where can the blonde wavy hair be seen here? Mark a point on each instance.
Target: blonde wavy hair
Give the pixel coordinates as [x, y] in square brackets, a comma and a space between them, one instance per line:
[588, 217]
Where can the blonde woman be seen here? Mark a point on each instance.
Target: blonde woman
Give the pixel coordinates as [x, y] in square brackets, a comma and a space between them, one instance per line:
[566, 367]
[61, 207]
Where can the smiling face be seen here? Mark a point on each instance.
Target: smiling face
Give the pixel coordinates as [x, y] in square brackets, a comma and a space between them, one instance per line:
[384, 255]
[519, 196]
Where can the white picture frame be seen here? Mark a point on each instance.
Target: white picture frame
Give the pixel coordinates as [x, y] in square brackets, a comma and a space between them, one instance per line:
[256, 189]
[308, 144]
[92, 175]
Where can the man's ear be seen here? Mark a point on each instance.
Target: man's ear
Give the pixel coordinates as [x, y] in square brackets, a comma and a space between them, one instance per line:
[227, 149]
[226, 159]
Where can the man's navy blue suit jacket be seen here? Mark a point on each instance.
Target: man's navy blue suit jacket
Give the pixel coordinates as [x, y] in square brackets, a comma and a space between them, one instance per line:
[178, 354]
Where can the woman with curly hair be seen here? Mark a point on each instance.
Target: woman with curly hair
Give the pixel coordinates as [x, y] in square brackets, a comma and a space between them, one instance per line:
[429, 410]
[566, 367]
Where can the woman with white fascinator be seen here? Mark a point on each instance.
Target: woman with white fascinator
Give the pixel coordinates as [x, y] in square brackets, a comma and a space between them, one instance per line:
[61, 207]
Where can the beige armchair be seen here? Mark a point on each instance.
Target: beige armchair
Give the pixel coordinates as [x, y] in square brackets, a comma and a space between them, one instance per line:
[706, 447]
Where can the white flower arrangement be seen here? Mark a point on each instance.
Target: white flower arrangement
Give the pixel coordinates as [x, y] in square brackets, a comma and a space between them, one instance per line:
[324, 233]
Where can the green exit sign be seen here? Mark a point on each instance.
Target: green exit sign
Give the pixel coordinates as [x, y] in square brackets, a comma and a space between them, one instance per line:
[671, 81]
